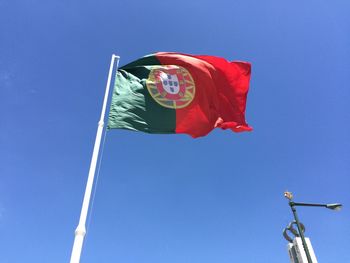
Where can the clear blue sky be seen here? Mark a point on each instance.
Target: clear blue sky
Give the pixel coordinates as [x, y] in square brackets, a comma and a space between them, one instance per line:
[171, 198]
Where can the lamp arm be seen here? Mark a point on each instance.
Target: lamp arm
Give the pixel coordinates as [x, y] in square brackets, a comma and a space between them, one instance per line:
[307, 204]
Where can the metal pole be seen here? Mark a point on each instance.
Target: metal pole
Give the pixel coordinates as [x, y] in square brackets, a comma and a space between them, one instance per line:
[301, 233]
[81, 229]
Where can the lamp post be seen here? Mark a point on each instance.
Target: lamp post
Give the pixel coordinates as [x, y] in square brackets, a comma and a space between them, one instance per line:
[292, 205]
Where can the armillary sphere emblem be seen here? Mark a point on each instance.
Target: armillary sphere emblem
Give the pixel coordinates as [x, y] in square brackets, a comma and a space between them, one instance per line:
[291, 230]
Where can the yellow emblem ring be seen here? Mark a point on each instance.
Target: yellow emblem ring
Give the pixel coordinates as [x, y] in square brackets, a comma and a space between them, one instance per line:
[171, 86]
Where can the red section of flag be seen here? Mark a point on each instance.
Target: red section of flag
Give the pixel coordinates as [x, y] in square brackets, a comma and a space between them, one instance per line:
[220, 96]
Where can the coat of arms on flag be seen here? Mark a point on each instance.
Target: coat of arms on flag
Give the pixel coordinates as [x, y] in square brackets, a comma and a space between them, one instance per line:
[171, 86]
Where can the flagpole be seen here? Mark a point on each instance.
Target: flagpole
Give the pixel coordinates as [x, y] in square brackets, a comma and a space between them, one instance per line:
[81, 229]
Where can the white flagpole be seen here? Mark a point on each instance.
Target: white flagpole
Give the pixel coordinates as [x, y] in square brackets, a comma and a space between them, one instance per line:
[81, 230]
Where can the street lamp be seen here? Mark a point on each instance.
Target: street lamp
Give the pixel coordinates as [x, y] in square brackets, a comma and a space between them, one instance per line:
[292, 205]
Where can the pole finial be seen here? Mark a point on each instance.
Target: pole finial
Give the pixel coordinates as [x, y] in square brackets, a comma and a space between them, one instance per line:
[288, 195]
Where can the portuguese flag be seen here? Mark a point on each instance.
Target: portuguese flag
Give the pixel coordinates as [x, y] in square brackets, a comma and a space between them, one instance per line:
[178, 93]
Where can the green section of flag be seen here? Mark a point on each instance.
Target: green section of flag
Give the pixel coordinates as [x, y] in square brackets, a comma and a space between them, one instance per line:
[133, 108]
[148, 60]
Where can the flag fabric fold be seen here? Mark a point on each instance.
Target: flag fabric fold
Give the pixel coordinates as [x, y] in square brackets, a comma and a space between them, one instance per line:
[170, 92]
